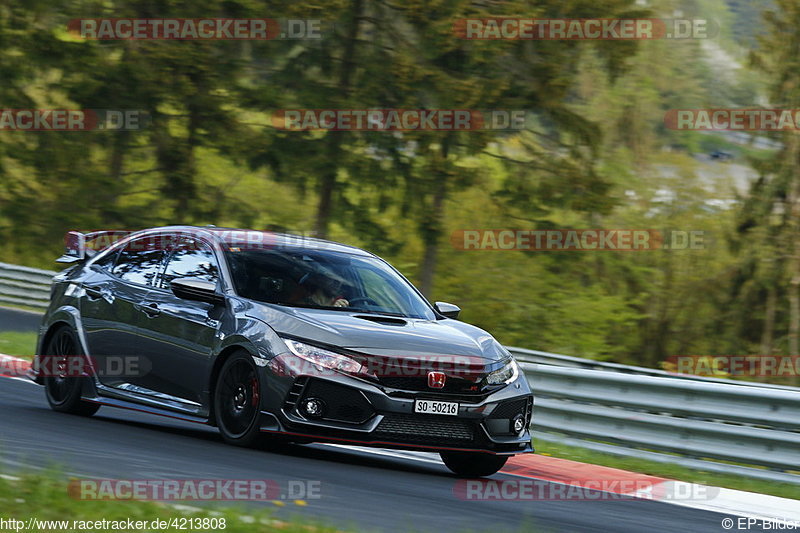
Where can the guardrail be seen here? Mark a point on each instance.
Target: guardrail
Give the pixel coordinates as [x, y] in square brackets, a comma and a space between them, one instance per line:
[26, 286]
[545, 358]
[703, 423]
[670, 420]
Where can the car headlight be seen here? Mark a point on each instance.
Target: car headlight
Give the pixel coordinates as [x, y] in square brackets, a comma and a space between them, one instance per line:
[502, 376]
[324, 358]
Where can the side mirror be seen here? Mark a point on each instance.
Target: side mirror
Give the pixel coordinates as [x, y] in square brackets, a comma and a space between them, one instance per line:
[447, 310]
[197, 290]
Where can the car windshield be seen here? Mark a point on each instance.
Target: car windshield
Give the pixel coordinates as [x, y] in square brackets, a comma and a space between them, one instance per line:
[324, 279]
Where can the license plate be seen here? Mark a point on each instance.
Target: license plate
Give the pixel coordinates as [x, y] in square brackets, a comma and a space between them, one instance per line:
[431, 407]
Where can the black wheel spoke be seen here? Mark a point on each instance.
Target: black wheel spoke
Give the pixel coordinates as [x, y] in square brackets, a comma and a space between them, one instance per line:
[63, 387]
[238, 411]
[58, 354]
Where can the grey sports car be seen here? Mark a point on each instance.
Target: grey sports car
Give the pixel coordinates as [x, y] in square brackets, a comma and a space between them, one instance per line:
[277, 338]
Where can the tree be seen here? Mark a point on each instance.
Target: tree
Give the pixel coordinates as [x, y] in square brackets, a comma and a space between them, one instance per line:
[779, 190]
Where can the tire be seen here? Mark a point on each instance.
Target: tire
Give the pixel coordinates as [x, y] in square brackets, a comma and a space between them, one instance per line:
[237, 401]
[64, 392]
[469, 464]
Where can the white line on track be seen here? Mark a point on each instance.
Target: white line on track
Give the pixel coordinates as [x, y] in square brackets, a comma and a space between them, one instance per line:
[4, 357]
[762, 507]
[728, 501]
[24, 380]
[424, 457]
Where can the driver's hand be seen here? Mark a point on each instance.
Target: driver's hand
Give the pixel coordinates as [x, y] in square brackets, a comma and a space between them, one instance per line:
[341, 302]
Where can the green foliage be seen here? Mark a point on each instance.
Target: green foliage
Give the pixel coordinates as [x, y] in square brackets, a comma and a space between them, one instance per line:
[595, 154]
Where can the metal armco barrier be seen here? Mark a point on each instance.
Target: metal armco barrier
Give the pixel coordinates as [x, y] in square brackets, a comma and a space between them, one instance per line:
[693, 419]
[26, 286]
[545, 358]
[704, 423]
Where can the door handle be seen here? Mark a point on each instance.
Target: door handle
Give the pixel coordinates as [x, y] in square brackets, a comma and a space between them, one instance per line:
[95, 292]
[92, 292]
[151, 309]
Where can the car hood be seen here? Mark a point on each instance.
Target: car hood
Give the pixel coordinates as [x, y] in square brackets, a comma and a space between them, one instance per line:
[381, 335]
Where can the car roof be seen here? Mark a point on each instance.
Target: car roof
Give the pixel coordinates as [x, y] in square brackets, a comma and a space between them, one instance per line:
[235, 237]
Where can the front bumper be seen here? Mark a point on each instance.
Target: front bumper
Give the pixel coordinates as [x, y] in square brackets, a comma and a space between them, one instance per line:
[363, 413]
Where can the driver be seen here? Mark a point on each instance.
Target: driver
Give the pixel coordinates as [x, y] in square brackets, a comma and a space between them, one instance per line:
[323, 291]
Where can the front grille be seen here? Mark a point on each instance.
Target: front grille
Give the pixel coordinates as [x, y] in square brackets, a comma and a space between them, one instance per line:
[510, 409]
[423, 428]
[429, 395]
[419, 384]
[343, 404]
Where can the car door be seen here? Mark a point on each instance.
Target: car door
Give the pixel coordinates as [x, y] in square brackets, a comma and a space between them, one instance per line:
[112, 311]
[179, 337]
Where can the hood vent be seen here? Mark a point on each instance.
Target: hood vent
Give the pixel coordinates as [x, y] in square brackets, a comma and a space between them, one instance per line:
[388, 320]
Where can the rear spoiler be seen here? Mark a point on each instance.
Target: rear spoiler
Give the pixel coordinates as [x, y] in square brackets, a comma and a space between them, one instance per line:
[81, 246]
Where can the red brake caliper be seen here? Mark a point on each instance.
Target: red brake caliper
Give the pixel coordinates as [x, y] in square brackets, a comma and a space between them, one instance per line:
[61, 367]
[256, 396]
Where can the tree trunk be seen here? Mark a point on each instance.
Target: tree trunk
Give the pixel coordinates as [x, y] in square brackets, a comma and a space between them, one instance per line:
[188, 206]
[433, 225]
[657, 346]
[432, 235]
[769, 322]
[794, 229]
[794, 315]
[327, 185]
[116, 164]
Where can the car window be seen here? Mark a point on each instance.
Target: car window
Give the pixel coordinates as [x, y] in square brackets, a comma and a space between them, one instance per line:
[139, 262]
[375, 288]
[107, 262]
[324, 279]
[191, 259]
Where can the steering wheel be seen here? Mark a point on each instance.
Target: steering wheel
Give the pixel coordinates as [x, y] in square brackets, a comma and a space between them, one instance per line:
[364, 299]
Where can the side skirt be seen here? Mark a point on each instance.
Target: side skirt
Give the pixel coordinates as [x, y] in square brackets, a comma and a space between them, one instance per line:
[112, 397]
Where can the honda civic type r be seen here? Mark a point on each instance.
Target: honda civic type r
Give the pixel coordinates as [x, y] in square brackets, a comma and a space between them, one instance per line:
[276, 337]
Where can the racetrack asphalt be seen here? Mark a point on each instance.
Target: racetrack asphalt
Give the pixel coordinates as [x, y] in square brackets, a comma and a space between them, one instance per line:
[357, 488]
[16, 320]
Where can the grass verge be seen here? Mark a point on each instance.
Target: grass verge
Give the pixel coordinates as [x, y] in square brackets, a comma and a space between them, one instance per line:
[667, 470]
[44, 497]
[18, 343]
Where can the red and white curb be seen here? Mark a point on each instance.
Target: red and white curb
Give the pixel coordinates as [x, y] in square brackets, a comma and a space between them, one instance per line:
[586, 476]
[618, 483]
[761, 507]
[15, 368]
